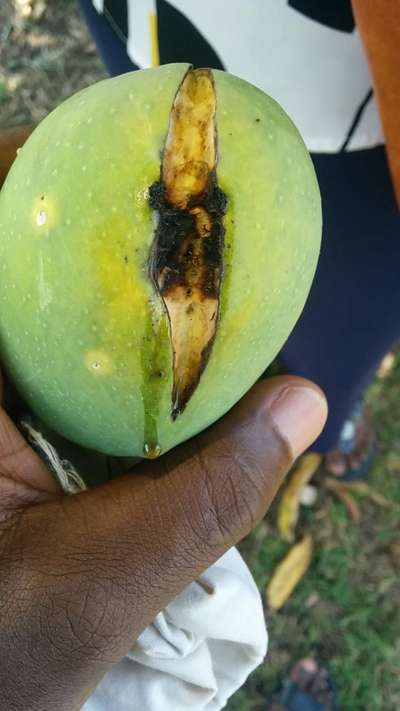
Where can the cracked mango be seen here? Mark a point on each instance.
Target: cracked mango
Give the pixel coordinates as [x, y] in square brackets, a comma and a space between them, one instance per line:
[159, 233]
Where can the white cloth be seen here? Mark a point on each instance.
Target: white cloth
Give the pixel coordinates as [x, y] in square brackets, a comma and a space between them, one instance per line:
[198, 651]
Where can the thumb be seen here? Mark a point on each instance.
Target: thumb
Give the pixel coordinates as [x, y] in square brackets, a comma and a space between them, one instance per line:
[145, 536]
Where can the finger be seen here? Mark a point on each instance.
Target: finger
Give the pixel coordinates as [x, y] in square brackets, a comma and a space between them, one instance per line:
[23, 474]
[10, 141]
[128, 547]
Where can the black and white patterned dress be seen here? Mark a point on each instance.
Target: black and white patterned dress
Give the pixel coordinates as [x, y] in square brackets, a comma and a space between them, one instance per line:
[307, 54]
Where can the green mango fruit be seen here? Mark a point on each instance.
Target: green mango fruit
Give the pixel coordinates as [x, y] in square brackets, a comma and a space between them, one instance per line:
[139, 299]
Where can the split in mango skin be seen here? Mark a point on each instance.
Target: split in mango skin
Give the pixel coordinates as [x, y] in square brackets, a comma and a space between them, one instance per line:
[97, 328]
[186, 263]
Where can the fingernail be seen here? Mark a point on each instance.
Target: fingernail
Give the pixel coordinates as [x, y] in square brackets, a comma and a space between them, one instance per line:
[299, 413]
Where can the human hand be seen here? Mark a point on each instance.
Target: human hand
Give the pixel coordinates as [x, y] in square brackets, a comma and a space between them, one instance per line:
[82, 576]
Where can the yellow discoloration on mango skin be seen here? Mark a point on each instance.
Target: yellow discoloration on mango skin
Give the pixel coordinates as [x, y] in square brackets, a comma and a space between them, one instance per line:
[99, 363]
[69, 299]
[123, 289]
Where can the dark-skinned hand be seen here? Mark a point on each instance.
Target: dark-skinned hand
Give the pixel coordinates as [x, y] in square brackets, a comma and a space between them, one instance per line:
[82, 576]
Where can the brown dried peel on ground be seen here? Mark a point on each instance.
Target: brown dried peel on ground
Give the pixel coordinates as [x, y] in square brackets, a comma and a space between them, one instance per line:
[186, 261]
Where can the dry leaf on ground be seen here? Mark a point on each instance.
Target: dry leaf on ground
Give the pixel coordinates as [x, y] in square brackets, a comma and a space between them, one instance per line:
[363, 488]
[342, 490]
[386, 365]
[289, 572]
[342, 493]
[288, 510]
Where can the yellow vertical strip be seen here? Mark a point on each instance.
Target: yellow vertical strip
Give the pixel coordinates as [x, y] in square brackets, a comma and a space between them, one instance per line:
[155, 52]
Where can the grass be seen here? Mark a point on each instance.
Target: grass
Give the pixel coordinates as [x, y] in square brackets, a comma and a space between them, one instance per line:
[345, 611]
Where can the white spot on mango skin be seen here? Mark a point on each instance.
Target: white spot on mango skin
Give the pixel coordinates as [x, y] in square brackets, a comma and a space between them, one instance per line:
[98, 362]
[41, 218]
[44, 211]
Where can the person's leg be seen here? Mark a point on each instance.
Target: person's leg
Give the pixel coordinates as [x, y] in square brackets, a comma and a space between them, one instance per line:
[110, 45]
[351, 318]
